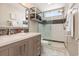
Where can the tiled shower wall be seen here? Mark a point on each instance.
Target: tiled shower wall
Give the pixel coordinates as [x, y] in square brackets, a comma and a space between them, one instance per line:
[52, 31]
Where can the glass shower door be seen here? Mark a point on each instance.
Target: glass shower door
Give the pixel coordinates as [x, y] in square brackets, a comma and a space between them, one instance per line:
[45, 30]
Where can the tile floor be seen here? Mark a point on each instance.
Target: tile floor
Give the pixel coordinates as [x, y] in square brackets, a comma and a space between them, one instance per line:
[53, 49]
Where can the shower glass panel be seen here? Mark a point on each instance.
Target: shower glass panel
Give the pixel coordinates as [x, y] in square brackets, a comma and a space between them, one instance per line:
[45, 30]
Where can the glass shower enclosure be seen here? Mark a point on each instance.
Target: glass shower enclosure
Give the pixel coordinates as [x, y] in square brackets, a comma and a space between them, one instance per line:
[45, 29]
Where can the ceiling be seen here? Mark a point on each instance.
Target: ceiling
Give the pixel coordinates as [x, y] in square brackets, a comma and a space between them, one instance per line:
[45, 6]
[48, 6]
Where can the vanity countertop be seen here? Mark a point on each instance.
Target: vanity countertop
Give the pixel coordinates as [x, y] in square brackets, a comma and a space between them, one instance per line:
[8, 39]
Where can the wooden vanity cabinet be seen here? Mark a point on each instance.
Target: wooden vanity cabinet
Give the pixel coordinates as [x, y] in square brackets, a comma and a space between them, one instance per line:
[4, 52]
[20, 49]
[34, 48]
[26, 47]
[37, 46]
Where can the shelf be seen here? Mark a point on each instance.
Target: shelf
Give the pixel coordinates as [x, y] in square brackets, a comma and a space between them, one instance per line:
[36, 20]
[33, 19]
[35, 10]
[32, 12]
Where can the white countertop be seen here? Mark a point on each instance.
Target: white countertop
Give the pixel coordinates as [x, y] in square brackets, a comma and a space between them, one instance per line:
[8, 39]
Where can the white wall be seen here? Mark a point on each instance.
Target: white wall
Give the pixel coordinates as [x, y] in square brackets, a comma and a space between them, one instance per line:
[8, 9]
[71, 43]
[4, 14]
[67, 8]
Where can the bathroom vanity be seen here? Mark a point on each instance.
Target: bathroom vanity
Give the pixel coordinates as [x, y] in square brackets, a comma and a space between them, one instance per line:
[21, 44]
